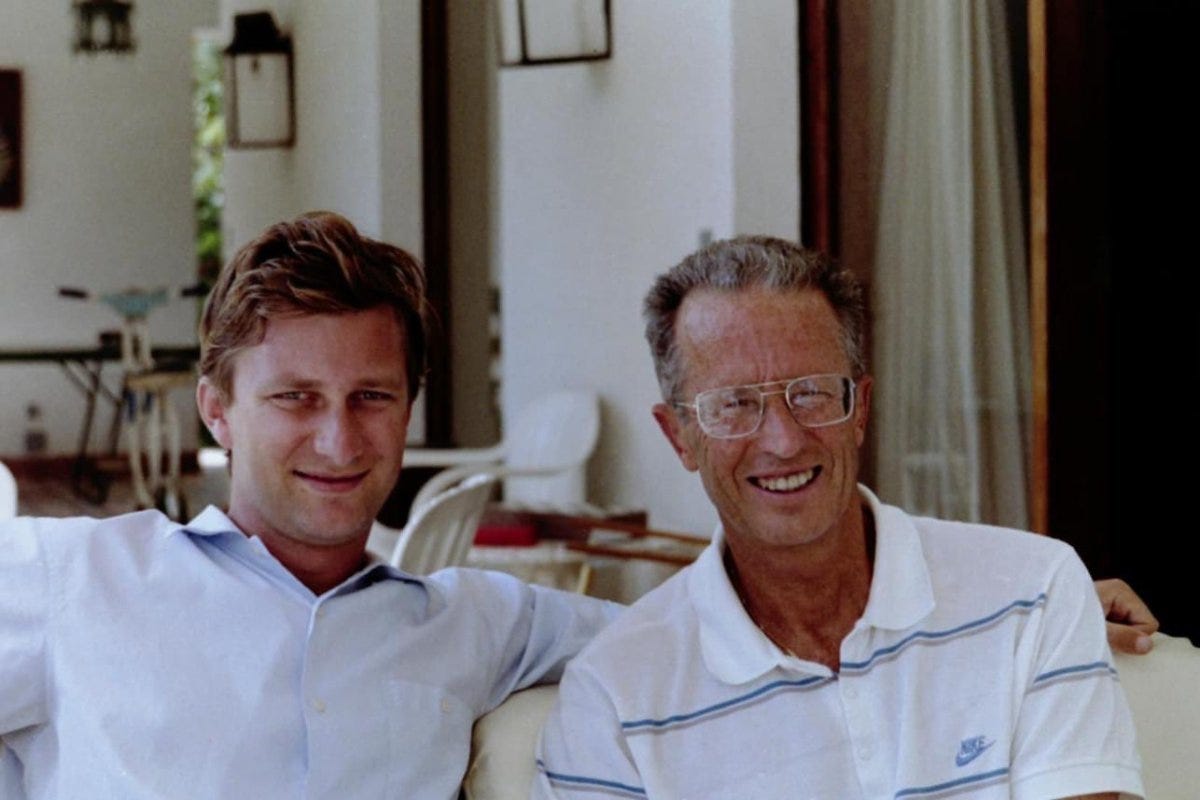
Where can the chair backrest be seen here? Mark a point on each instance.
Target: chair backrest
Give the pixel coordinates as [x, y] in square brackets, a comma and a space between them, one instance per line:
[440, 532]
[543, 458]
[8, 493]
[554, 436]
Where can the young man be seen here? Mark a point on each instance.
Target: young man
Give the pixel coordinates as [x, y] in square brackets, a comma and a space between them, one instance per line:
[259, 652]
[827, 645]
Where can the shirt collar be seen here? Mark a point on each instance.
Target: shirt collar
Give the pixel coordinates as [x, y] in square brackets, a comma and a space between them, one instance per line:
[215, 525]
[901, 590]
[736, 651]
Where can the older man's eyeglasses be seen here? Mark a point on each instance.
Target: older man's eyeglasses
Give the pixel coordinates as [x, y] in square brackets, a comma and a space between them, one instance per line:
[732, 412]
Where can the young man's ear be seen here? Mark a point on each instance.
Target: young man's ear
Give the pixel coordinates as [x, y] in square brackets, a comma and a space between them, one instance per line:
[212, 405]
[680, 438]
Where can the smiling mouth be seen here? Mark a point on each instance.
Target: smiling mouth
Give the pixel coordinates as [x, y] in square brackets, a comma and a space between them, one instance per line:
[332, 482]
[787, 483]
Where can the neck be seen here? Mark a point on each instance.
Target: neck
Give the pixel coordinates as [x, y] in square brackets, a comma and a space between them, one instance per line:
[806, 598]
[319, 567]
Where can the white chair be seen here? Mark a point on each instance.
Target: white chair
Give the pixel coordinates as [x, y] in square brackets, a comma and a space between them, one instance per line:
[439, 532]
[542, 458]
[8, 493]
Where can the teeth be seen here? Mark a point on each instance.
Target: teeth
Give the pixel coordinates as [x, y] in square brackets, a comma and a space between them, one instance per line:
[789, 483]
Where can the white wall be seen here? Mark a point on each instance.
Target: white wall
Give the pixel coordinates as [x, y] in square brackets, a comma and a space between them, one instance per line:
[358, 123]
[107, 200]
[608, 173]
[766, 118]
[358, 127]
[605, 175]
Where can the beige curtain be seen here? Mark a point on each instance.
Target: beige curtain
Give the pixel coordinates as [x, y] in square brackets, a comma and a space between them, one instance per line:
[952, 352]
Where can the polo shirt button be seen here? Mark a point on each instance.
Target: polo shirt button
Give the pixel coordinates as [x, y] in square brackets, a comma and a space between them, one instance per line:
[318, 705]
[851, 693]
[864, 752]
[321, 612]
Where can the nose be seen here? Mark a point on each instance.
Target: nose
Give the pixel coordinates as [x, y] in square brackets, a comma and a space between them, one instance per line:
[339, 436]
[779, 433]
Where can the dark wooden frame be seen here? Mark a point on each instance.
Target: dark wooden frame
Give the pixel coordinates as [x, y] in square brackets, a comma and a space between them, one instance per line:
[526, 60]
[11, 125]
[817, 24]
[435, 164]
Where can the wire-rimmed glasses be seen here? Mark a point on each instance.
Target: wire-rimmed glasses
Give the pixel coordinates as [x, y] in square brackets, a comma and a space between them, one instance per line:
[731, 412]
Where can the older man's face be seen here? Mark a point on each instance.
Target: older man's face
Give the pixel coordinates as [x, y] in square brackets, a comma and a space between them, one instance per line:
[785, 484]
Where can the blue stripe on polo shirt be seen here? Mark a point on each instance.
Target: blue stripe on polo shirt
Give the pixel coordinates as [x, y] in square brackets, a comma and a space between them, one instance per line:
[582, 782]
[1015, 607]
[1080, 669]
[770, 688]
[857, 667]
[970, 781]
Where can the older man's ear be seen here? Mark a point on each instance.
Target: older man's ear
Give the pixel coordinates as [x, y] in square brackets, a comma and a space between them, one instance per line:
[673, 427]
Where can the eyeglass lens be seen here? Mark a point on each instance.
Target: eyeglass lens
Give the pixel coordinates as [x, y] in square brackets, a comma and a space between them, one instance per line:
[815, 401]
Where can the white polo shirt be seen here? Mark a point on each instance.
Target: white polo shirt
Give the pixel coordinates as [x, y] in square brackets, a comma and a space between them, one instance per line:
[979, 668]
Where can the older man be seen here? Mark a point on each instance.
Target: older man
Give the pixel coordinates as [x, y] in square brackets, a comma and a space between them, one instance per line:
[827, 645]
[258, 652]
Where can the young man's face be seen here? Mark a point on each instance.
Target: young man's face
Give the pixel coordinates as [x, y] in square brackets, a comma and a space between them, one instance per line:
[785, 484]
[316, 426]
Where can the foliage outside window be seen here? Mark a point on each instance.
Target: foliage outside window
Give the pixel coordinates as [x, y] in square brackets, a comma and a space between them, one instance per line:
[208, 156]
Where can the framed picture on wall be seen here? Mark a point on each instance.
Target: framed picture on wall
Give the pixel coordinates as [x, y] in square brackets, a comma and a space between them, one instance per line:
[10, 138]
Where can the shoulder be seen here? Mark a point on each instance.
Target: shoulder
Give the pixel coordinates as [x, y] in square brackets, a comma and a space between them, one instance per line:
[977, 572]
[655, 630]
[480, 589]
[1004, 554]
[493, 594]
[81, 533]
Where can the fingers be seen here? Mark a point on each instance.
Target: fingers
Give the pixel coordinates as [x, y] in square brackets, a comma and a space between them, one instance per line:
[1121, 604]
[1129, 639]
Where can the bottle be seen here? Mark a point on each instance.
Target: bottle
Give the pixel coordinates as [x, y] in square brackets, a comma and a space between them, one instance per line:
[35, 431]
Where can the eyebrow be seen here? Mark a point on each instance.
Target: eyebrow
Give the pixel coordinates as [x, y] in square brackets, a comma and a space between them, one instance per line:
[292, 381]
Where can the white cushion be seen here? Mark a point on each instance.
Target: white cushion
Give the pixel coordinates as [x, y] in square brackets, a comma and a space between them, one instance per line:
[504, 744]
[1163, 688]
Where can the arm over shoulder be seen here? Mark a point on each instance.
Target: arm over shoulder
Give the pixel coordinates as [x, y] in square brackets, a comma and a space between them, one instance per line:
[532, 631]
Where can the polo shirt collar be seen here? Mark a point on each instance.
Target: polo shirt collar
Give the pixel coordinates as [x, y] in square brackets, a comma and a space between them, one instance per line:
[736, 651]
[901, 589]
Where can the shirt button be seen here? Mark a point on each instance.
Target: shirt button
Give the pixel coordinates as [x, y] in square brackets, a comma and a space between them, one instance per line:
[445, 706]
[864, 752]
[318, 705]
[851, 693]
[321, 612]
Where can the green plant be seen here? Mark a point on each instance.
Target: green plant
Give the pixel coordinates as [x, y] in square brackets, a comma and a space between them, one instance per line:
[208, 157]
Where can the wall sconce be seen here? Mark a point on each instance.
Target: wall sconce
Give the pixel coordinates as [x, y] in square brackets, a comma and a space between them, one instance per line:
[112, 15]
[536, 32]
[260, 108]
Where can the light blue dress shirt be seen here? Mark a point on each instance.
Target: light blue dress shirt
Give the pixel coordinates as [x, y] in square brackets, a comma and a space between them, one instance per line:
[143, 659]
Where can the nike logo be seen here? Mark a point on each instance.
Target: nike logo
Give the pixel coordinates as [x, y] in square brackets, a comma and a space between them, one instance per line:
[971, 749]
